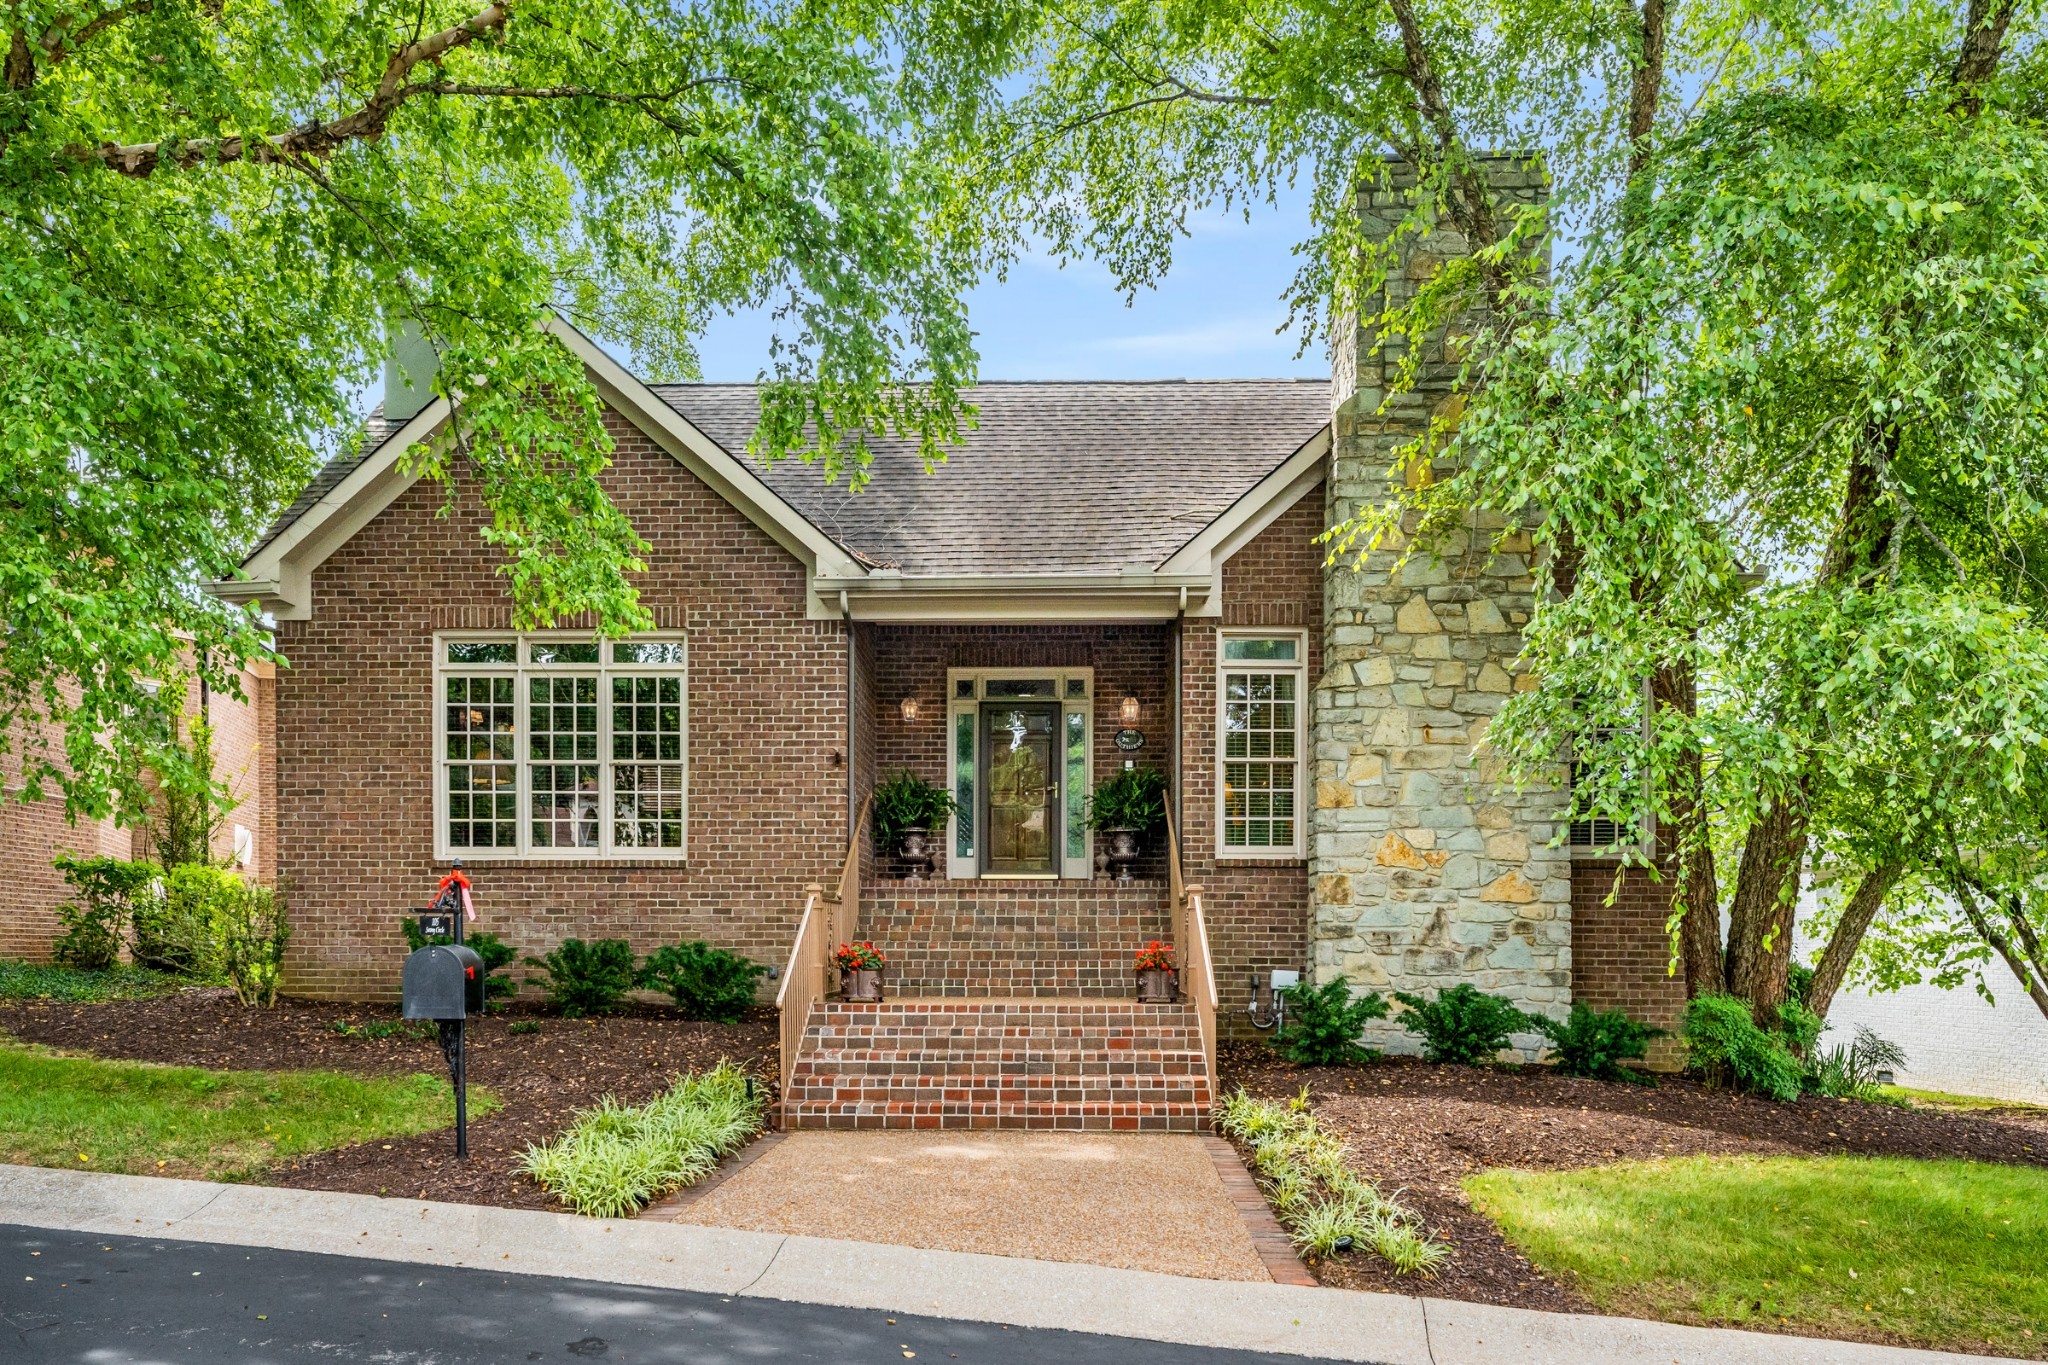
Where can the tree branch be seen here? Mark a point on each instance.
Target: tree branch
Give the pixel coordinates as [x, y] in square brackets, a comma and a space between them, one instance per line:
[58, 42]
[367, 123]
[1864, 903]
[1983, 47]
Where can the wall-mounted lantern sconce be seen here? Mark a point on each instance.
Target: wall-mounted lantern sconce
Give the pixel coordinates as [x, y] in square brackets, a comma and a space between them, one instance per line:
[908, 706]
[1128, 712]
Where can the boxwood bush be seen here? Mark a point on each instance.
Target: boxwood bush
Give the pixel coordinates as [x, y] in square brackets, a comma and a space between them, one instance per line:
[586, 978]
[705, 982]
[1463, 1024]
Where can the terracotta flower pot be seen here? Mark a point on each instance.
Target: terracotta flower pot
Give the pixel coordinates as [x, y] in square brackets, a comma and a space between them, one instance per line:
[1155, 986]
[1123, 852]
[917, 854]
[860, 985]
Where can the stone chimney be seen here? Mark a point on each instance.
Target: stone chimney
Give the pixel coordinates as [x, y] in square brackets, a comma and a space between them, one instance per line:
[1427, 870]
[408, 370]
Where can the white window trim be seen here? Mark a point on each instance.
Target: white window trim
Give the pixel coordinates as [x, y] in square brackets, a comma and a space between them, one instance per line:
[520, 671]
[1071, 868]
[1643, 847]
[1299, 667]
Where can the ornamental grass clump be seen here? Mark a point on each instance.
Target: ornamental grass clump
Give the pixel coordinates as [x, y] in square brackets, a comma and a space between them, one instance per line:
[1326, 1206]
[615, 1159]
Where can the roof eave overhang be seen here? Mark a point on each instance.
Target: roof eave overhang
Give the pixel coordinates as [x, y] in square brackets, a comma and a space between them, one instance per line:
[1019, 598]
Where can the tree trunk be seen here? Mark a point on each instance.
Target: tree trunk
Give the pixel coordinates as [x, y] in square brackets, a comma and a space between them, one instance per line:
[1683, 843]
[1766, 895]
[1864, 903]
[2030, 969]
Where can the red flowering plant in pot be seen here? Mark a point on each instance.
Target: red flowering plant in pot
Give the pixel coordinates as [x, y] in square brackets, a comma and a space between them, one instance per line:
[860, 971]
[1155, 973]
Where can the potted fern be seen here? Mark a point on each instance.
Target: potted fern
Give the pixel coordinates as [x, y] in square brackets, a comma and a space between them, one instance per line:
[906, 809]
[1130, 805]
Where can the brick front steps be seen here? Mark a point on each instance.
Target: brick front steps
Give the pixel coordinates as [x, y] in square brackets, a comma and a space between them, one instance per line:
[1078, 1065]
[1007, 939]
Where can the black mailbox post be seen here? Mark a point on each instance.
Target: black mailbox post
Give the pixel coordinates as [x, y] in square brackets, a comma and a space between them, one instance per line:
[444, 982]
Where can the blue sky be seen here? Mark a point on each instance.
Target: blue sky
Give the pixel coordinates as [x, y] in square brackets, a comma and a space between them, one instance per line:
[1212, 317]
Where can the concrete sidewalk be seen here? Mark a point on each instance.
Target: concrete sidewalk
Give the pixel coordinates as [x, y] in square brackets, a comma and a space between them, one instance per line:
[1321, 1323]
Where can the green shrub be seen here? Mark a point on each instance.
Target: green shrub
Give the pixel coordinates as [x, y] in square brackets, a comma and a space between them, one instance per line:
[499, 987]
[97, 920]
[418, 1029]
[1851, 1070]
[1595, 1043]
[1132, 798]
[253, 932]
[1798, 982]
[179, 930]
[614, 1159]
[586, 978]
[1323, 1022]
[1725, 1047]
[1463, 1024]
[907, 801]
[41, 981]
[522, 1026]
[706, 982]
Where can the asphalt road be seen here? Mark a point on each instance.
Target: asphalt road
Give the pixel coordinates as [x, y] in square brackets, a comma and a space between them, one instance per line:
[73, 1297]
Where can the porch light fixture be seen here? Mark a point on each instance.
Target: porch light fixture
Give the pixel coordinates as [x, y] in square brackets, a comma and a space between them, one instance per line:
[1128, 712]
[909, 707]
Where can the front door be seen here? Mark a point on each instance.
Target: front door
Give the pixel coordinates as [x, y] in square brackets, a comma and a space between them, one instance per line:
[1020, 754]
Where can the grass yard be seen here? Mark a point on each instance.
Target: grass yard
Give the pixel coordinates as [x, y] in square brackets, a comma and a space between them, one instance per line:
[144, 1119]
[1941, 1099]
[1947, 1254]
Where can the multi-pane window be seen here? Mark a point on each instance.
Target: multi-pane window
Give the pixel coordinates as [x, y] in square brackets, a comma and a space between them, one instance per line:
[1261, 681]
[562, 747]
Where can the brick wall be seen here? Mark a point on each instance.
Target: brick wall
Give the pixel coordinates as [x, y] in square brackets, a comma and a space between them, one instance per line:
[355, 738]
[1129, 660]
[1256, 910]
[34, 833]
[1012, 938]
[1621, 951]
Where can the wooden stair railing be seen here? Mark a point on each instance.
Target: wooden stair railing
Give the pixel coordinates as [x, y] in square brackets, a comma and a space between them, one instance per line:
[827, 922]
[1191, 932]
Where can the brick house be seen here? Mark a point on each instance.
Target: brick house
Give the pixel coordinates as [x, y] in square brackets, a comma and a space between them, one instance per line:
[1102, 575]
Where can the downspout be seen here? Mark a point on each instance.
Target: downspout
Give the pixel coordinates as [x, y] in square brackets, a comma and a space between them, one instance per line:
[852, 705]
[1179, 736]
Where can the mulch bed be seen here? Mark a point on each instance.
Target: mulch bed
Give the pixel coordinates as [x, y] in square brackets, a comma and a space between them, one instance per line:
[541, 1078]
[1421, 1129]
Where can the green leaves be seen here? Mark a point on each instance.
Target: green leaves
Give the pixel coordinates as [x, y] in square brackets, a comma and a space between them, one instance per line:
[211, 214]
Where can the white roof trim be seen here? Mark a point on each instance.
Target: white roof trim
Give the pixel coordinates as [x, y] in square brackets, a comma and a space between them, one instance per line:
[279, 576]
[1132, 595]
[1259, 507]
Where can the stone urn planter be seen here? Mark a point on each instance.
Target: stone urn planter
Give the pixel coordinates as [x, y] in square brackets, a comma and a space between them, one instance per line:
[1123, 852]
[860, 971]
[1155, 987]
[860, 985]
[1156, 975]
[916, 852]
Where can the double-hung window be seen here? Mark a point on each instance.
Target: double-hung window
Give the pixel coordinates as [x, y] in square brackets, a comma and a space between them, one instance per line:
[1260, 680]
[558, 746]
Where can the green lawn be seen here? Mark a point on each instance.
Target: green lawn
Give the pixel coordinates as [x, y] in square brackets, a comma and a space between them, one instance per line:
[1941, 1099]
[1948, 1254]
[95, 1115]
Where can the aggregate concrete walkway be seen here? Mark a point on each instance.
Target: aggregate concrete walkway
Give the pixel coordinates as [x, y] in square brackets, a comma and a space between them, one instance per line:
[1138, 1201]
[1324, 1324]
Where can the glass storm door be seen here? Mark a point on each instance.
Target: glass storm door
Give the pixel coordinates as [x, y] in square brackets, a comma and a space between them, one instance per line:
[1021, 755]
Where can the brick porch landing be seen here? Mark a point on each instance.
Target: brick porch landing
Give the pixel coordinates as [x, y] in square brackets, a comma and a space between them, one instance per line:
[1002, 939]
[1037, 1063]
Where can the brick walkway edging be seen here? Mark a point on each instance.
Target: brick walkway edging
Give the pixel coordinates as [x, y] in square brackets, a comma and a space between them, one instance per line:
[1269, 1239]
[666, 1209]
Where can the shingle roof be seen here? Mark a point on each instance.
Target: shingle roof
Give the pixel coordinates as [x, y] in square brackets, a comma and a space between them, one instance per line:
[376, 431]
[1058, 477]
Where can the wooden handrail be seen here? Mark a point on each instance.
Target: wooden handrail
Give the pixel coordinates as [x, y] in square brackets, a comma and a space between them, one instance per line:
[1191, 931]
[827, 922]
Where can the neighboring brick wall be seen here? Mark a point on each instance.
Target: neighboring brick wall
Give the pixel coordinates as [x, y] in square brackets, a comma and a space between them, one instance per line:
[355, 738]
[1129, 660]
[1011, 938]
[1257, 911]
[1621, 950]
[866, 728]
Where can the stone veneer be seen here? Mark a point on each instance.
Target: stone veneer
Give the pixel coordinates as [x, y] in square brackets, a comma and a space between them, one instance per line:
[1427, 870]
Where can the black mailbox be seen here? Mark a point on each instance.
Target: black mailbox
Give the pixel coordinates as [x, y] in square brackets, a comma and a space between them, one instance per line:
[443, 981]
